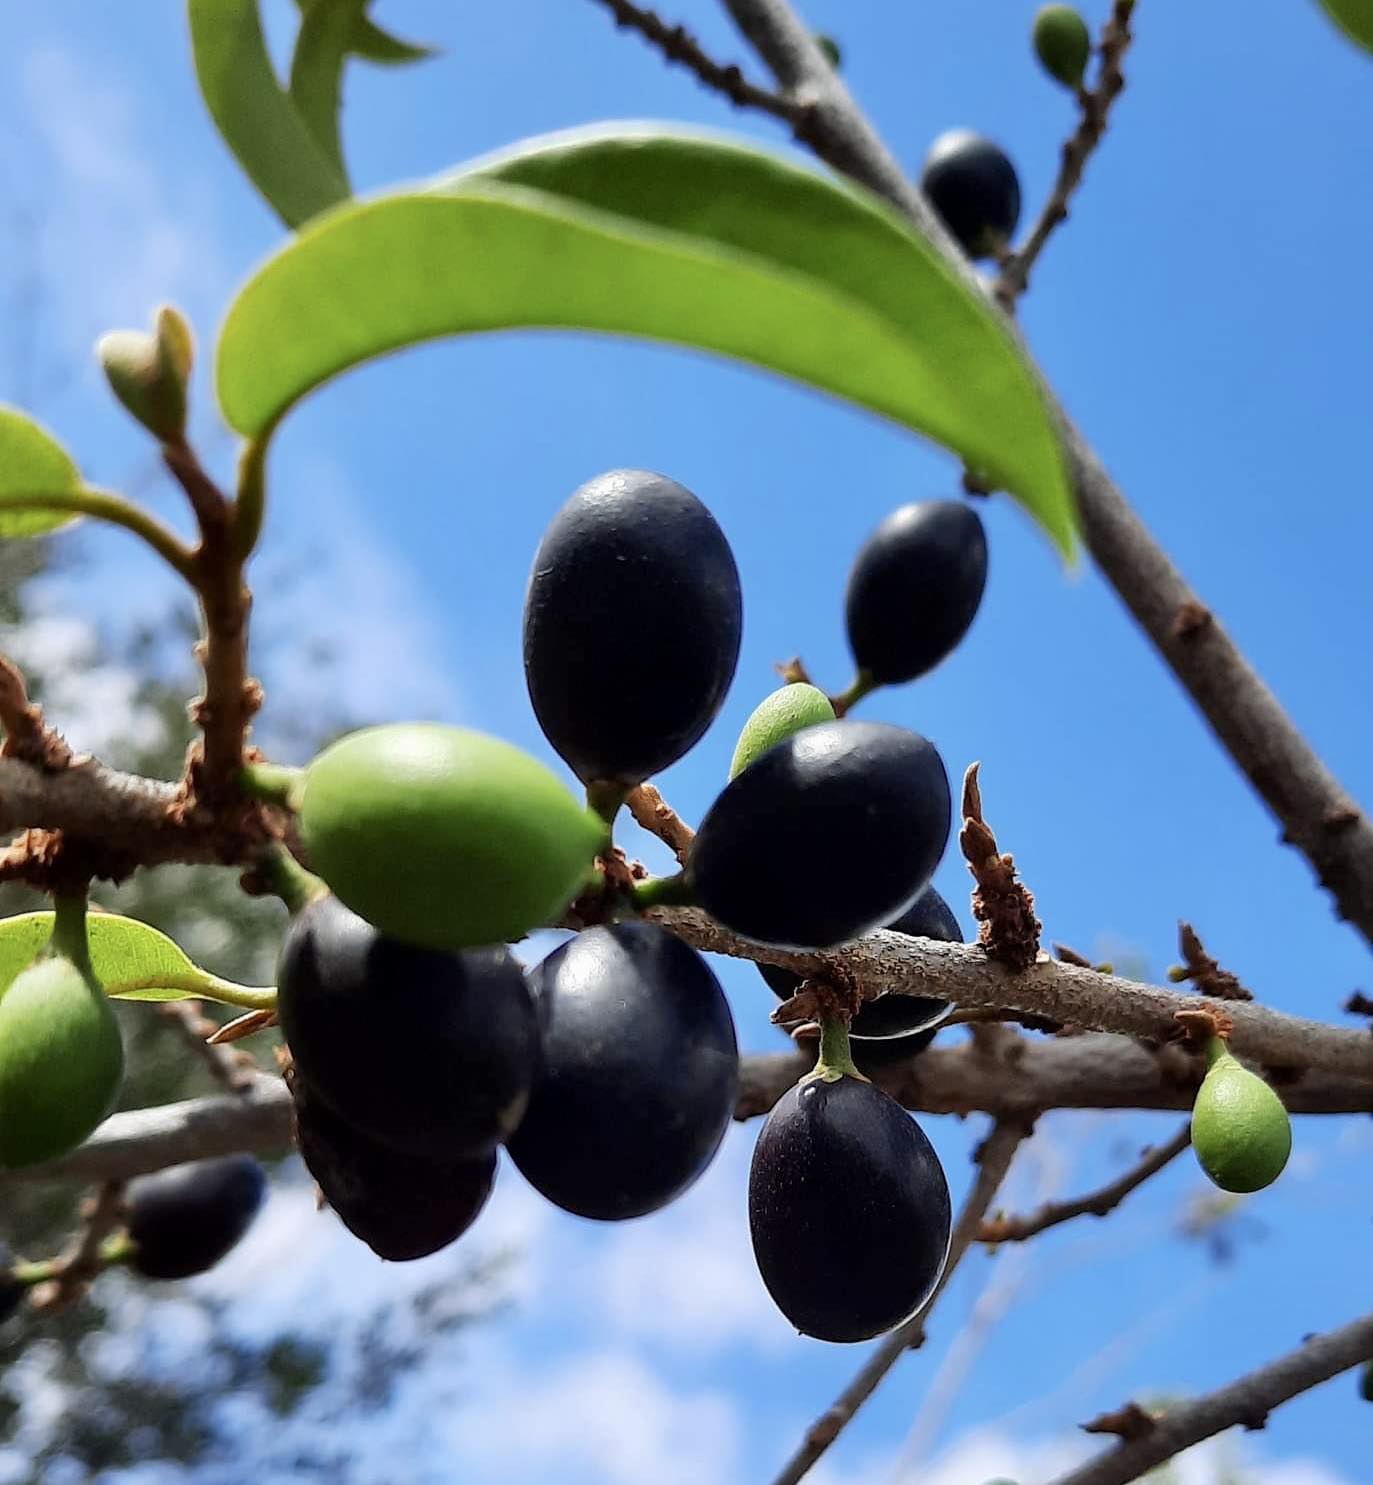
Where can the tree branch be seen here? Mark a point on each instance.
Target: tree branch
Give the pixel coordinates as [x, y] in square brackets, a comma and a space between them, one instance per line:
[1245, 1402]
[993, 1158]
[678, 45]
[1316, 814]
[1097, 1203]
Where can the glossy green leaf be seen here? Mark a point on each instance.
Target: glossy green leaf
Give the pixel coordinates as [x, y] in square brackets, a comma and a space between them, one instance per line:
[131, 960]
[1354, 18]
[372, 44]
[32, 463]
[647, 232]
[322, 48]
[254, 113]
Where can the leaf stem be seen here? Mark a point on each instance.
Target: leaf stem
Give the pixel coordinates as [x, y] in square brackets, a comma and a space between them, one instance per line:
[251, 504]
[201, 985]
[104, 505]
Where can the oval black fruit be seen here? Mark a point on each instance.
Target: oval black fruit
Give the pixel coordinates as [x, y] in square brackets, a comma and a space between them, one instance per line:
[849, 1210]
[973, 186]
[427, 1051]
[632, 624]
[893, 1027]
[915, 588]
[640, 1072]
[183, 1220]
[12, 1292]
[402, 1206]
[831, 833]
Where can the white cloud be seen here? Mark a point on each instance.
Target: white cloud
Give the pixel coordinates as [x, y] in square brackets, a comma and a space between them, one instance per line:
[601, 1416]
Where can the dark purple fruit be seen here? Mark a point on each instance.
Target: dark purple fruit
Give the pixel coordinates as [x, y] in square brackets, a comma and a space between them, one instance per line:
[849, 1210]
[12, 1292]
[915, 588]
[892, 1027]
[640, 1073]
[426, 1051]
[831, 833]
[401, 1206]
[974, 188]
[632, 625]
[183, 1220]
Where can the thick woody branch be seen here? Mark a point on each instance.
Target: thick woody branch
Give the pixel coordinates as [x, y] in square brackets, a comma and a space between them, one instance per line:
[993, 1158]
[1085, 1072]
[1245, 1403]
[1316, 814]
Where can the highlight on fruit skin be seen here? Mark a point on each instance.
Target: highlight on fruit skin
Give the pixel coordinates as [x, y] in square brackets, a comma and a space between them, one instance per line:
[444, 837]
[786, 711]
[773, 858]
[915, 588]
[973, 186]
[640, 1072]
[427, 1051]
[185, 1219]
[61, 1059]
[1241, 1131]
[632, 624]
[849, 1210]
[1062, 43]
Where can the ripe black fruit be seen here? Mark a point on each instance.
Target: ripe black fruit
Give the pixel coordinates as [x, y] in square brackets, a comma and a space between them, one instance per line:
[915, 588]
[427, 1051]
[12, 1292]
[401, 1206]
[974, 188]
[892, 1027]
[640, 1072]
[183, 1220]
[831, 833]
[632, 625]
[849, 1210]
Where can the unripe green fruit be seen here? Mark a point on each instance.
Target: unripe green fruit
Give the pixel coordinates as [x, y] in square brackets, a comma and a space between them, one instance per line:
[442, 837]
[1063, 43]
[61, 1061]
[1240, 1128]
[787, 710]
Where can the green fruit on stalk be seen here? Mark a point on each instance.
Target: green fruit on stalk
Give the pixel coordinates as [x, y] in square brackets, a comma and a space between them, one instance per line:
[787, 710]
[1240, 1129]
[1062, 43]
[61, 1060]
[443, 837]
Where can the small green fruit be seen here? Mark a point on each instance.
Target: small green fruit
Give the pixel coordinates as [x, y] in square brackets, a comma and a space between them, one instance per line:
[61, 1061]
[149, 373]
[1063, 44]
[442, 837]
[787, 710]
[1240, 1129]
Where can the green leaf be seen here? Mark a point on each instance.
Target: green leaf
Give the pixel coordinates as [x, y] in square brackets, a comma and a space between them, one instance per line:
[255, 115]
[131, 960]
[322, 47]
[372, 44]
[32, 464]
[652, 233]
[1354, 18]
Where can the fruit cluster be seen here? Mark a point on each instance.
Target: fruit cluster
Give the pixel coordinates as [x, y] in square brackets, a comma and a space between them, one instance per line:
[418, 1044]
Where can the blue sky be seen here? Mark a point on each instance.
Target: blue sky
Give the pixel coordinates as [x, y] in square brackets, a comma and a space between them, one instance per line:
[1202, 318]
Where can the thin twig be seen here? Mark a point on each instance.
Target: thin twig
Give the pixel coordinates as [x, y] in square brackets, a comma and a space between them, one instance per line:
[1317, 815]
[1002, 904]
[1096, 1203]
[74, 1271]
[677, 44]
[236, 1071]
[1077, 150]
[1205, 972]
[1245, 1402]
[994, 1158]
[654, 814]
[21, 720]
